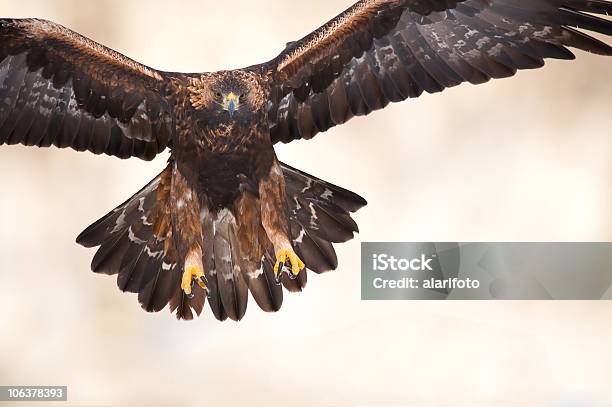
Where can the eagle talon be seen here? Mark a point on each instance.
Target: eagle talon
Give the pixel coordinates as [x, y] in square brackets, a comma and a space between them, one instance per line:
[283, 269]
[194, 272]
[277, 278]
[288, 257]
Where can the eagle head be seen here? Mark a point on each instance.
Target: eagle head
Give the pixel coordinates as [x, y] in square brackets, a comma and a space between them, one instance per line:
[225, 96]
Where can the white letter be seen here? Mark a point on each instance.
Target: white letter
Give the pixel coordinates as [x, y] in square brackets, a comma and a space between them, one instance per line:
[382, 260]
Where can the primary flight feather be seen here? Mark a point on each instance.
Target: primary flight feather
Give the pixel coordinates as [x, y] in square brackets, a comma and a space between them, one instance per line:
[225, 216]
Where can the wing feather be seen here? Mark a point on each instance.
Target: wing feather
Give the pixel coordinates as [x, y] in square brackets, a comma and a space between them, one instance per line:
[381, 51]
[60, 88]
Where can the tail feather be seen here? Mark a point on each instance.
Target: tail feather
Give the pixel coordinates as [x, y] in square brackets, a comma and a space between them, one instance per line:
[297, 284]
[299, 183]
[183, 307]
[156, 294]
[319, 216]
[325, 223]
[210, 268]
[143, 250]
[107, 259]
[318, 254]
[261, 280]
[123, 216]
[131, 270]
[232, 286]
[136, 244]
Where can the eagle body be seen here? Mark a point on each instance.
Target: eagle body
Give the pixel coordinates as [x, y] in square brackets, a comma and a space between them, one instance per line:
[225, 170]
[225, 217]
[218, 154]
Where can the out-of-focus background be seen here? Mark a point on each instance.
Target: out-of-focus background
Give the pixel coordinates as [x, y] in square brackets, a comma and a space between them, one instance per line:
[522, 159]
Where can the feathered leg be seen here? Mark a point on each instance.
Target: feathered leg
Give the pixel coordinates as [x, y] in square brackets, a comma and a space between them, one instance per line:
[275, 220]
[187, 232]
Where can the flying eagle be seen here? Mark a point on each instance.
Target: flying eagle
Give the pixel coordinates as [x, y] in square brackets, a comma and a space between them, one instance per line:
[225, 216]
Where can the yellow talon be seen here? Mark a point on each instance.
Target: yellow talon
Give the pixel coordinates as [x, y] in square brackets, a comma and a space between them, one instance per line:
[285, 255]
[193, 270]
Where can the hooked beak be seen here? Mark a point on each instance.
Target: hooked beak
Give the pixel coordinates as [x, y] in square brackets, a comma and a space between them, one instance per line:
[232, 102]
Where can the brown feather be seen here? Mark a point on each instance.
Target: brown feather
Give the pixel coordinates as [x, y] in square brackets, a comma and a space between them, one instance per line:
[381, 51]
[58, 87]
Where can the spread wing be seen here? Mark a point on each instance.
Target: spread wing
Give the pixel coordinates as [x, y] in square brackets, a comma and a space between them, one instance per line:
[60, 88]
[382, 51]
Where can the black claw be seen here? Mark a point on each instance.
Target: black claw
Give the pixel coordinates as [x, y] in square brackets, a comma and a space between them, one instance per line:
[277, 277]
[204, 280]
[191, 295]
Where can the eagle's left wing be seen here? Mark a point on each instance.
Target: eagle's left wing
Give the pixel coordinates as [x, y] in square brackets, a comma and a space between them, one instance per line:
[382, 51]
[60, 88]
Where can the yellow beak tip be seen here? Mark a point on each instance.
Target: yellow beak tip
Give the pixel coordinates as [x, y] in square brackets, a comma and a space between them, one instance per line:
[232, 101]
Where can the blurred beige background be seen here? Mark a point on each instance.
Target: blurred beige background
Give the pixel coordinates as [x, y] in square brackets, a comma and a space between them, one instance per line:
[523, 159]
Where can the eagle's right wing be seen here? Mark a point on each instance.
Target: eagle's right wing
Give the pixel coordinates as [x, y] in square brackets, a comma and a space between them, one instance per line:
[60, 88]
[382, 51]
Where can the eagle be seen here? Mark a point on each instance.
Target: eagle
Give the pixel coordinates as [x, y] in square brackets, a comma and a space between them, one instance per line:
[226, 217]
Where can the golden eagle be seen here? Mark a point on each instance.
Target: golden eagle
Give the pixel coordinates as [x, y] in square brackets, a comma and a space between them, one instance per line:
[225, 216]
